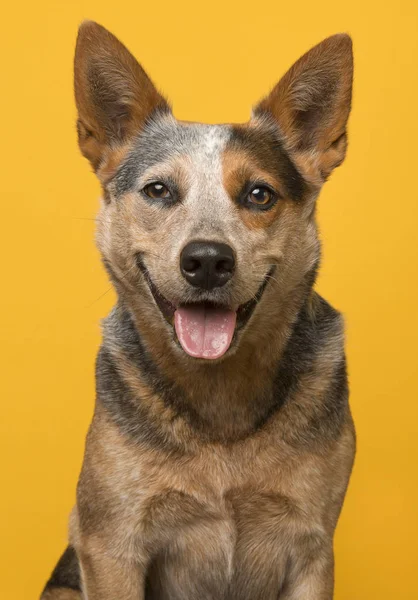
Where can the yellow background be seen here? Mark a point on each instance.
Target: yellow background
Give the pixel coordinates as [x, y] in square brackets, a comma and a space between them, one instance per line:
[213, 60]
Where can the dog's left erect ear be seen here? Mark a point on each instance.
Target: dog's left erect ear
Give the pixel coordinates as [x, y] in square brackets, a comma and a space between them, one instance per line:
[114, 95]
[312, 102]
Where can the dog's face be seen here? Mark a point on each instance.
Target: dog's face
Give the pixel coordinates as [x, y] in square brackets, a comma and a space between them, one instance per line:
[202, 225]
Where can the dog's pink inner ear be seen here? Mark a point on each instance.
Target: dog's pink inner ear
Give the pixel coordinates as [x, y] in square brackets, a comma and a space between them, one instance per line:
[312, 102]
[114, 95]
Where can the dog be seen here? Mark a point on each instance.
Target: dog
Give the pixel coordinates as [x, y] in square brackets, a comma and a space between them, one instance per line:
[222, 442]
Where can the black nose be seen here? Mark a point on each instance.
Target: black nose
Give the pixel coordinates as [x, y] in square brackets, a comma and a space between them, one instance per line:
[207, 265]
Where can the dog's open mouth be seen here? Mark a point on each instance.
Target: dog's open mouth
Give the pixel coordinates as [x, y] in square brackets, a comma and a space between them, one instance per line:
[204, 329]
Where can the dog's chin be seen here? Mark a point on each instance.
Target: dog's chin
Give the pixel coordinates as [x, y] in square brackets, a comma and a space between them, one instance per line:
[205, 330]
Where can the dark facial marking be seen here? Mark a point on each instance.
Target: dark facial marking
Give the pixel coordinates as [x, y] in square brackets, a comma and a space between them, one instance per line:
[153, 145]
[257, 196]
[264, 144]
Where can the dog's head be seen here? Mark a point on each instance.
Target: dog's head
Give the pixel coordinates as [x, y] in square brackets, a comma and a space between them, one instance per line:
[203, 227]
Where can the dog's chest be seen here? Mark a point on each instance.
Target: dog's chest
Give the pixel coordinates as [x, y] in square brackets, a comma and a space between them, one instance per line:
[236, 550]
[217, 541]
[221, 524]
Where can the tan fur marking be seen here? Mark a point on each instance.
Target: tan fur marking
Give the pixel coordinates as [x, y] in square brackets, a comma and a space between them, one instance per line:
[238, 168]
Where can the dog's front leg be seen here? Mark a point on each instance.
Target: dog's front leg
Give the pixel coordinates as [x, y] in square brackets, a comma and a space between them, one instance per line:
[310, 579]
[105, 577]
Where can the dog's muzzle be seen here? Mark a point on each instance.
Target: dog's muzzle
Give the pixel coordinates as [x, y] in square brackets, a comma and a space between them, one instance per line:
[204, 330]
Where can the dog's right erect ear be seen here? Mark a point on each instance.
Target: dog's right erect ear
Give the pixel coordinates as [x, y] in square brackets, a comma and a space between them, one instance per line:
[114, 95]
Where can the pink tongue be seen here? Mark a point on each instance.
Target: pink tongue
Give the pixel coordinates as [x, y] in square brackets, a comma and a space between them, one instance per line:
[204, 332]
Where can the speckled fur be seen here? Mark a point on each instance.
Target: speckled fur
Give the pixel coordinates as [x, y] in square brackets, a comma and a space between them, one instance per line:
[219, 480]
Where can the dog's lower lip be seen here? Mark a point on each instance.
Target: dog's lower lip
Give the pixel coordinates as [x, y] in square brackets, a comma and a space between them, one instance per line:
[167, 309]
[245, 310]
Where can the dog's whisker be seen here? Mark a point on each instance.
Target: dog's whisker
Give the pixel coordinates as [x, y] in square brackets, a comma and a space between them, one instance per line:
[99, 298]
[151, 253]
[111, 287]
[273, 278]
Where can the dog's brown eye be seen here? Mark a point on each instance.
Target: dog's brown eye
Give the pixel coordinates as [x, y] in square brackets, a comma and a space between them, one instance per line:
[157, 190]
[261, 196]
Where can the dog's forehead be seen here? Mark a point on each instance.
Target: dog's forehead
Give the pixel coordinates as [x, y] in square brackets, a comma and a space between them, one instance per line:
[164, 139]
